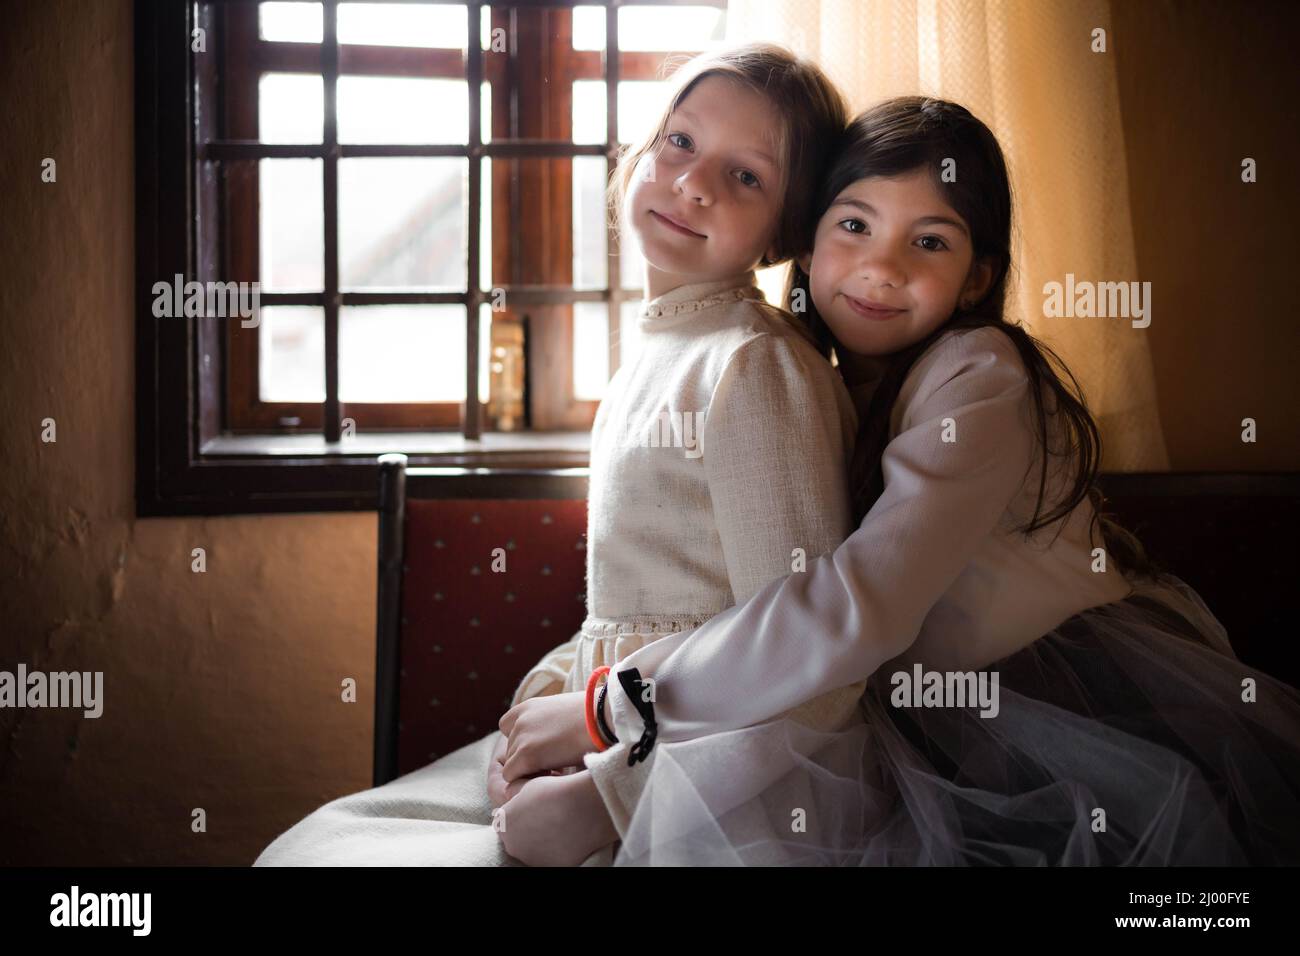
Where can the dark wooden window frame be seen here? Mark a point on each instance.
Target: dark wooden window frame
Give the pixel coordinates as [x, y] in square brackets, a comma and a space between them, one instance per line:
[186, 460]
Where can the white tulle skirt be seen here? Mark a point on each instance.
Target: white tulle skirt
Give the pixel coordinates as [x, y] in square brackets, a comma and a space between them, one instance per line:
[1128, 735]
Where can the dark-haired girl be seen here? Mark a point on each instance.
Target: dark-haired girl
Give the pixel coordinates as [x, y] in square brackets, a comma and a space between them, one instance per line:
[1038, 693]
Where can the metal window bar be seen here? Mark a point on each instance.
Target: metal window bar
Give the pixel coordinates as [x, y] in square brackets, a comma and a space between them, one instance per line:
[331, 151]
[613, 269]
[471, 423]
[330, 183]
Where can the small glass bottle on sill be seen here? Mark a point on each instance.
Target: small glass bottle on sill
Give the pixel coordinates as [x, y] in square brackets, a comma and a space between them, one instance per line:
[505, 407]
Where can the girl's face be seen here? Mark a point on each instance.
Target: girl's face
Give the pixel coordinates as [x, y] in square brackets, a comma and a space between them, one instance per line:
[890, 263]
[705, 203]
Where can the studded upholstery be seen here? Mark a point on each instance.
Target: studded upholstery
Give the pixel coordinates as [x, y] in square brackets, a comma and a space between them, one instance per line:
[469, 633]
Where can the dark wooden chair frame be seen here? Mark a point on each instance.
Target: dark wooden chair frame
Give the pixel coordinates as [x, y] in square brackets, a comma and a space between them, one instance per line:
[397, 482]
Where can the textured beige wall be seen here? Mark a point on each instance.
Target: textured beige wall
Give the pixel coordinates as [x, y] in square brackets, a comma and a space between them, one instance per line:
[222, 689]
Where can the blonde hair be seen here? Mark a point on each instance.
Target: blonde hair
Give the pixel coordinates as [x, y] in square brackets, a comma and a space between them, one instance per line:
[814, 116]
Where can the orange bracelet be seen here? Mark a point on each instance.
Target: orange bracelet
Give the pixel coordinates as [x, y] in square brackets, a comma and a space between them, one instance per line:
[592, 729]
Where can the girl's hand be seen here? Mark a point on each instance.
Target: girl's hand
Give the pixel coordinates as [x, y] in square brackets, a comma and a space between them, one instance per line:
[557, 820]
[498, 790]
[545, 733]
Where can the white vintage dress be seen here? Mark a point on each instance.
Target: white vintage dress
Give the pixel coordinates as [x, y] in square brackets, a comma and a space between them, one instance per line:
[1127, 730]
[718, 465]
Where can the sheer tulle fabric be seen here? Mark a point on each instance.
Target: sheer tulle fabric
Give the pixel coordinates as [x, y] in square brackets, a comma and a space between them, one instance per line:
[1121, 738]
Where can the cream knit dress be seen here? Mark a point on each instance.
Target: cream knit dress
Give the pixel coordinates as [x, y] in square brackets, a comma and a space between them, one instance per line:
[750, 484]
[718, 464]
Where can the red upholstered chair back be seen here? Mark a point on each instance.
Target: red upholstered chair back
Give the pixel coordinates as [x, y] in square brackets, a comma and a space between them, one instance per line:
[469, 632]
[487, 585]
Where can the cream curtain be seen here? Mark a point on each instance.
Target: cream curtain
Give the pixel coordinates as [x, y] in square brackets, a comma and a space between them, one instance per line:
[1027, 68]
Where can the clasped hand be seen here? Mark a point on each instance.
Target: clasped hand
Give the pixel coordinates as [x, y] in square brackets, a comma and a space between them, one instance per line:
[545, 733]
[552, 814]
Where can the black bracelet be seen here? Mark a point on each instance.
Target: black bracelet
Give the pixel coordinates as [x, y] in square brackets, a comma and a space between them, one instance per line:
[605, 732]
[632, 684]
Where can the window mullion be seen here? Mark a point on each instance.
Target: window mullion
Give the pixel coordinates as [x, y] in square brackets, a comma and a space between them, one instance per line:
[472, 422]
[613, 278]
[330, 181]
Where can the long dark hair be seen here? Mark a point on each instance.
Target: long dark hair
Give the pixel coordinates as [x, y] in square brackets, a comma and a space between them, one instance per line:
[897, 137]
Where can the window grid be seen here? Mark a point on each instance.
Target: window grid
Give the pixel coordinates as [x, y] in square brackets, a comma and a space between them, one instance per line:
[330, 151]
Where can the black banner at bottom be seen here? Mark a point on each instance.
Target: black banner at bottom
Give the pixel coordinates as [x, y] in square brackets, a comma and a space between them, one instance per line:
[215, 905]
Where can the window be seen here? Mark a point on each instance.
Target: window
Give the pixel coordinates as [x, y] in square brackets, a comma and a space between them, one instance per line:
[432, 267]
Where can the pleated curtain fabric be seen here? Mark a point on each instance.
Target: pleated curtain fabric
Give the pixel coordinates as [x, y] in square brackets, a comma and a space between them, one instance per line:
[1029, 69]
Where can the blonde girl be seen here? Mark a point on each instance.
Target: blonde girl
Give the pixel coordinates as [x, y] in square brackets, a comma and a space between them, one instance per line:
[718, 460]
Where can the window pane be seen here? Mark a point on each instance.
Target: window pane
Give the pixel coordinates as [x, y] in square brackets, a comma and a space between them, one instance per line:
[590, 350]
[402, 353]
[590, 267]
[292, 225]
[402, 223]
[629, 335]
[291, 342]
[640, 104]
[589, 28]
[659, 28]
[290, 108]
[588, 111]
[291, 22]
[670, 28]
[485, 225]
[390, 109]
[403, 24]
[378, 24]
